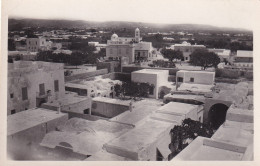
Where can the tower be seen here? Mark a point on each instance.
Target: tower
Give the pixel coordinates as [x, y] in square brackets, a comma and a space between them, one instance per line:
[137, 35]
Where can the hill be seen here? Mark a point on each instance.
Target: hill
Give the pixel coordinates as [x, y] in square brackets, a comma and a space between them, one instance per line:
[18, 24]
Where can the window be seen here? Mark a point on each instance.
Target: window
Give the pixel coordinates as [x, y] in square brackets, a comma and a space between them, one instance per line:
[127, 51]
[111, 51]
[11, 95]
[13, 112]
[119, 51]
[36, 42]
[56, 85]
[186, 58]
[191, 79]
[86, 111]
[42, 89]
[180, 79]
[24, 93]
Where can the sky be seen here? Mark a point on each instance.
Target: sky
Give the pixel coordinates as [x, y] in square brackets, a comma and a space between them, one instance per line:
[222, 13]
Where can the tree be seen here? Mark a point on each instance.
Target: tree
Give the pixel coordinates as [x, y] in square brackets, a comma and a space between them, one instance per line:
[44, 56]
[172, 54]
[132, 89]
[76, 59]
[181, 135]
[204, 58]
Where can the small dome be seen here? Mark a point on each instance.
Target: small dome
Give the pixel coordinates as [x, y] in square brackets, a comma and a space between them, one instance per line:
[114, 37]
[137, 29]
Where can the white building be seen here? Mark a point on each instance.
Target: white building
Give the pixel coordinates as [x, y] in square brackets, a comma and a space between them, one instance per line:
[131, 47]
[156, 78]
[186, 48]
[195, 77]
[35, 44]
[223, 54]
[244, 59]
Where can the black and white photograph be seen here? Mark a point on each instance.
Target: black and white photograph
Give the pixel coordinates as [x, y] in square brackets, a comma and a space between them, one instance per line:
[132, 80]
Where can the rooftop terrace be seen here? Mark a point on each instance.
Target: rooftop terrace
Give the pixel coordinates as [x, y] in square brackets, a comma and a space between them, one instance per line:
[30, 118]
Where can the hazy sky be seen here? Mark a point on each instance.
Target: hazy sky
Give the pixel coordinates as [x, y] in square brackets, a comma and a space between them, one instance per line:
[227, 13]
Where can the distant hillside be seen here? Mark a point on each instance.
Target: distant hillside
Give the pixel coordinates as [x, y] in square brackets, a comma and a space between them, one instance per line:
[17, 24]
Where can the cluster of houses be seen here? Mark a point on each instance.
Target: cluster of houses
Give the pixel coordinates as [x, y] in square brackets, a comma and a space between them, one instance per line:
[81, 116]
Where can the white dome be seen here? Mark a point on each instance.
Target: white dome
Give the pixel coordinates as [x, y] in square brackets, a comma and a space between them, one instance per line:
[137, 29]
[114, 37]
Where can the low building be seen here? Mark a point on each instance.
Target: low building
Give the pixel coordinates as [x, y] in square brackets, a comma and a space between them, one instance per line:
[244, 59]
[29, 127]
[156, 78]
[143, 51]
[32, 83]
[107, 107]
[111, 66]
[98, 87]
[177, 112]
[233, 140]
[22, 55]
[70, 103]
[93, 43]
[83, 136]
[223, 54]
[186, 48]
[195, 77]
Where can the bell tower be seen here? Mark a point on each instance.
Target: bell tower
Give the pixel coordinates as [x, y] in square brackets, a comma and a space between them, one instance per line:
[137, 35]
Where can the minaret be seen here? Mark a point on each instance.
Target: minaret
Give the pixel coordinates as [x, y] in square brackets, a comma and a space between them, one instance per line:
[137, 35]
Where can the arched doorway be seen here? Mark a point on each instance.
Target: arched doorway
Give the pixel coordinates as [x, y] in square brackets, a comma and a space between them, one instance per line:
[217, 115]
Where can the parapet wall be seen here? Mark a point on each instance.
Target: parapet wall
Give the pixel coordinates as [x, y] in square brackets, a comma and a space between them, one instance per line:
[86, 75]
[130, 69]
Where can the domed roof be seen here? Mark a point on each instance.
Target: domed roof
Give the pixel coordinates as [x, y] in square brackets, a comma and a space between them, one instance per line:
[137, 29]
[114, 37]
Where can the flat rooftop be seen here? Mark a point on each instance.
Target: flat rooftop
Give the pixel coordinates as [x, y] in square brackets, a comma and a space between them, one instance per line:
[232, 141]
[105, 156]
[177, 108]
[150, 71]
[112, 101]
[76, 85]
[245, 53]
[234, 136]
[196, 71]
[141, 110]
[195, 87]
[134, 143]
[198, 98]
[30, 118]
[85, 137]
[68, 98]
[204, 149]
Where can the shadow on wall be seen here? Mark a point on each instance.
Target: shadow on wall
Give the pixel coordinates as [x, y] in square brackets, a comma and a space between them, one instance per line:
[217, 115]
